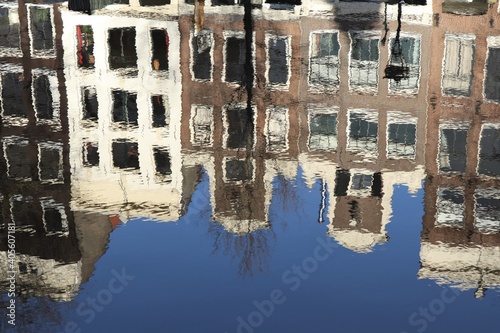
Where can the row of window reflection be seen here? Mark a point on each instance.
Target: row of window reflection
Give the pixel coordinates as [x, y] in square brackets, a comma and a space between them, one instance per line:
[323, 130]
[26, 210]
[41, 30]
[453, 149]
[44, 93]
[125, 155]
[125, 109]
[122, 43]
[42, 161]
[451, 209]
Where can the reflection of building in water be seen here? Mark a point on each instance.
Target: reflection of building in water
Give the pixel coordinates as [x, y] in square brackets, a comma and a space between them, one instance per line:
[124, 112]
[354, 137]
[51, 243]
[461, 228]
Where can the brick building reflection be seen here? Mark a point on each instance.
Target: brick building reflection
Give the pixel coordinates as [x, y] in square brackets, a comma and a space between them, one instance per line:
[461, 232]
[321, 106]
[56, 247]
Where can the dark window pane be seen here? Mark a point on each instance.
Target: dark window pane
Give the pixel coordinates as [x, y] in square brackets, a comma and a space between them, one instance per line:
[160, 41]
[125, 155]
[90, 105]
[489, 156]
[224, 2]
[23, 212]
[159, 112]
[9, 31]
[235, 59]
[202, 62]
[492, 82]
[50, 163]
[41, 28]
[90, 154]
[162, 161]
[452, 150]
[53, 219]
[239, 170]
[122, 48]
[43, 97]
[12, 95]
[125, 107]
[237, 119]
[278, 66]
[18, 157]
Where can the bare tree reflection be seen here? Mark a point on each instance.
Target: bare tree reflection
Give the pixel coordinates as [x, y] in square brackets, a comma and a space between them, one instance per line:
[251, 251]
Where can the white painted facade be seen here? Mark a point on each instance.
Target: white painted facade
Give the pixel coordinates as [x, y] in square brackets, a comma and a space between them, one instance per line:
[105, 187]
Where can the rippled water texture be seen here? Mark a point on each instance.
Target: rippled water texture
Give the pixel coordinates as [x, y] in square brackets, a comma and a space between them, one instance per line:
[188, 166]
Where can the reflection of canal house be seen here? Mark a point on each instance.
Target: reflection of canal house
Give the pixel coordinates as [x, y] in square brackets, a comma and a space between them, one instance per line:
[124, 113]
[360, 132]
[319, 92]
[35, 186]
[461, 234]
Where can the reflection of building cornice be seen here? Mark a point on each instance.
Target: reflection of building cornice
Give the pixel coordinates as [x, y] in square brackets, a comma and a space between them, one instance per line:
[464, 267]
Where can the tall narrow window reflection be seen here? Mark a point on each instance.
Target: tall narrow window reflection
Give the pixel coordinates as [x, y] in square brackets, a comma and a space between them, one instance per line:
[234, 57]
[160, 110]
[201, 45]
[90, 153]
[24, 214]
[458, 65]
[12, 95]
[324, 61]
[125, 107]
[452, 147]
[450, 207]
[162, 161]
[410, 46]
[363, 69]
[237, 119]
[487, 210]
[278, 57]
[160, 43]
[43, 96]
[85, 46]
[18, 155]
[201, 125]
[50, 161]
[489, 155]
[9, 30]
[492, 81]
[90, 106]
[42, 39]
[277, 125]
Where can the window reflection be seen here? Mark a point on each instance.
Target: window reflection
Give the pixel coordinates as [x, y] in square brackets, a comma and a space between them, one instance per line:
[41, 28]
[452, 147]
[363, 132]
[85, 46]
[162, 161]
[363, 69]
[279, 60]
[411, 54]
[202, 43]
[23, 214]
[239, 170]
[323, 129]
[125, 154]
[458, 65]
[17, 155]
[160, 43]
[450, 207]
[50, 161]
[492, 81]
[277, 126]
[324, 62]
[489, 156]
[90, 104]
[235, 50]
[401, 135]
[54, 217]
[90, 154]
[487, 210]
[122, 48]
[12, 95]
[9, 29]
[201, 125]
[125, 107]
[42, 91]
[237, 134]
[160, 113]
